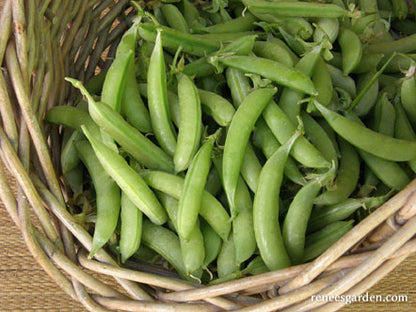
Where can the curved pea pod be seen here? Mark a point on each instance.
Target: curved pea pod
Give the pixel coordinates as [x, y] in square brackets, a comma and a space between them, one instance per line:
[174, 17]
[243, 229]
[326, 27]
[319, 138]
[107, 197]
[202, 67]
[323, 216]
[190, 126]
[193, 252]
[282, 128]
[238, 136]
[173, 39]
[273, 51]
[226, 263]
[212, 243]
[323, 82]
[342, 81]
[211, 209]
[131, 219]
[173, 101]
[367, 101]
[191, 14]
[250, 168]
[115, 80]
[347, 177]
[368, 140]
[132, 106]
[295, 9]
[272, 70]
[351, 49]
[128, 180]
[266, 209]
[408, 98]
[216, 106]
[264, 139]
[165, 243]
[239, 85]
[240, 23]
[404, 130]
[296, 220]
[384, 116]
[158, 100]
[316, 243]
[194, 184]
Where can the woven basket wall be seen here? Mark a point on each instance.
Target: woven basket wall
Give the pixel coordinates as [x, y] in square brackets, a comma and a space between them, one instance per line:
[43, 41]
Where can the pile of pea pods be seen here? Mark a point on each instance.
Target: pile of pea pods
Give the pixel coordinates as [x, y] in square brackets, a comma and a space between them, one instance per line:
[231, 138]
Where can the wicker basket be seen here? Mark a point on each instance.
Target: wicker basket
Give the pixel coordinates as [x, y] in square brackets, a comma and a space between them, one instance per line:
[43, 41]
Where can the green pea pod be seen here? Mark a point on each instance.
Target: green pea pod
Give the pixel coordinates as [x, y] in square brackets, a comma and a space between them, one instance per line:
[107, 197]
[128, 180]
[132, 106]
[250, 168]
[384, 116]
[141, 148]
[214, 183]
[211, 209]
[195, 179]
[408, 98]
[191, 14]
[212, 243]
[347, 177]
[326, 27]
[342, 81]
[75, 179]
[323, 82]
[272, 70]
[158, 100]
[239, 85]
[174, 18]
[264, 139]
[296, 220]
[290, 98]
[282, 128]
[243, 229]
[323, 216]
[351, 49]
[190, 126]
[193, 252]
[173, 39]
[130, 228]
[367, 101]
[389, 172]
[165, 243]
[226, 263]
[241, 23]
[319, 138]
[202, 67]
[318, 242]
[295, 9]
[273, 51]
[219, 108]
[266, 209]
[172, 99]
[368, 140]
[400, 8]
[69, 155]
[404, 130]
[238, 136]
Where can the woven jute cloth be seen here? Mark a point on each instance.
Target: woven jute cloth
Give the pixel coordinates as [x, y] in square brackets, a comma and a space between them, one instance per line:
[24, 286]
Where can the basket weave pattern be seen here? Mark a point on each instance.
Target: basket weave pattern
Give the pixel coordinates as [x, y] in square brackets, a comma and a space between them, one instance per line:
[43, 41]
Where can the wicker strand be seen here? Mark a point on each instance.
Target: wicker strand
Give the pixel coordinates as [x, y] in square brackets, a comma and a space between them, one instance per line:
[350, 239]
[355, 276]
[366, 284]
[147, 278]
